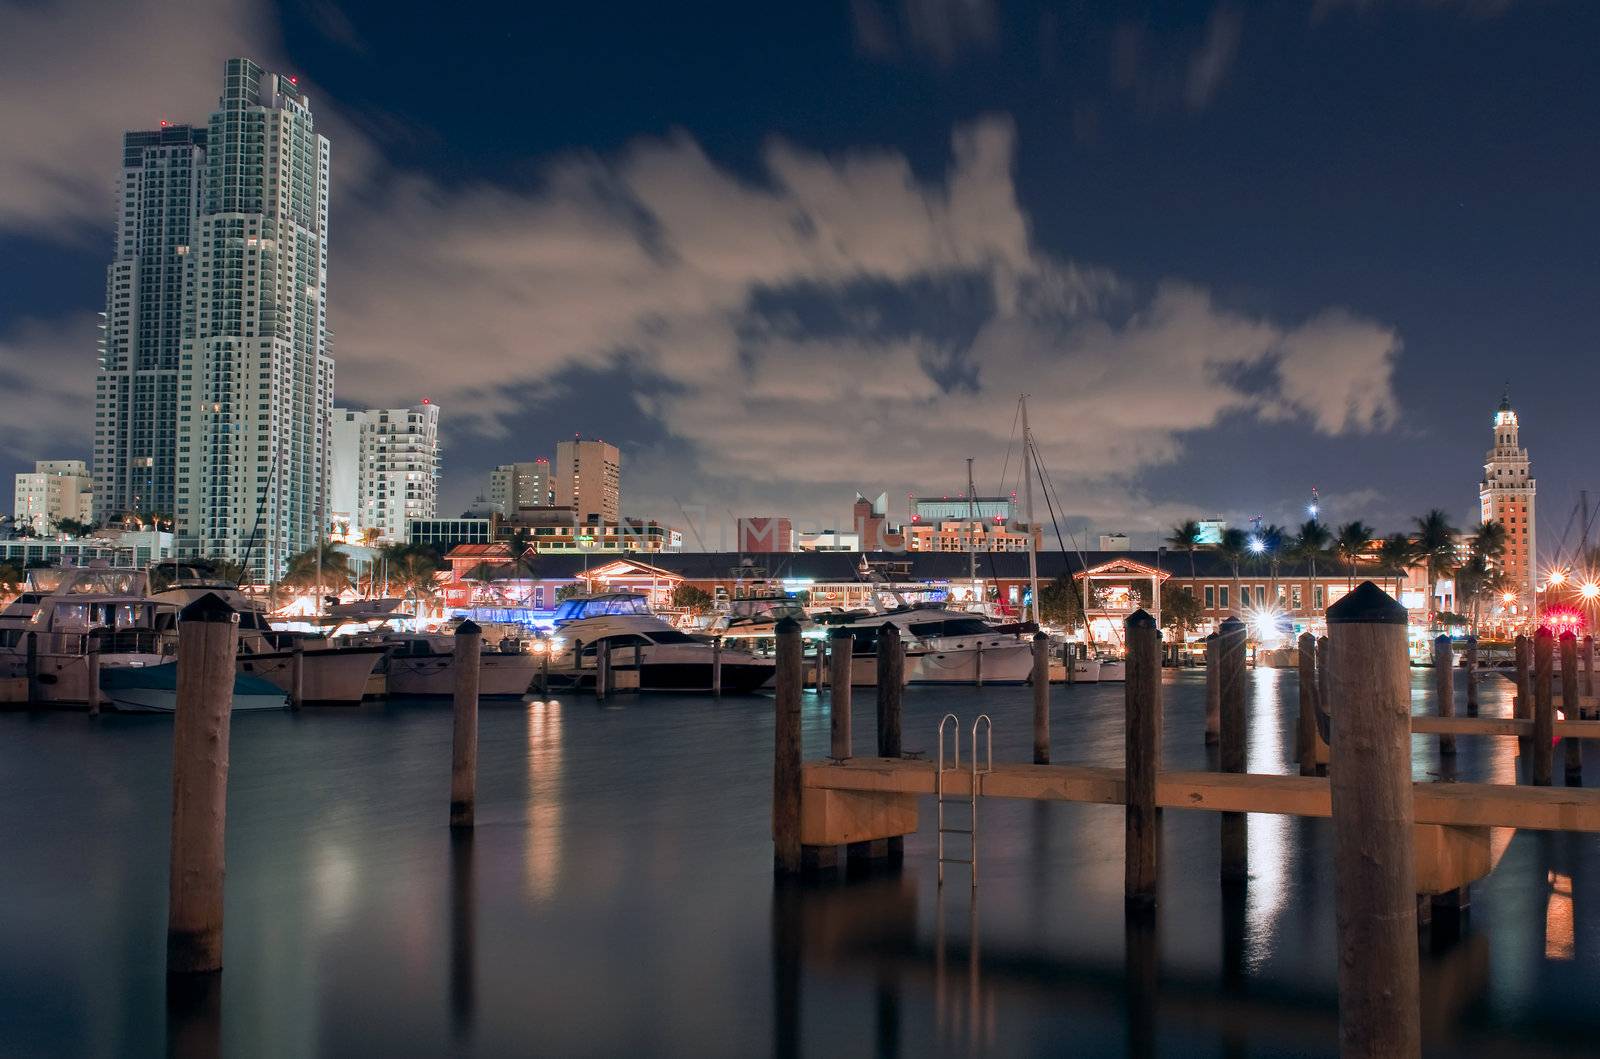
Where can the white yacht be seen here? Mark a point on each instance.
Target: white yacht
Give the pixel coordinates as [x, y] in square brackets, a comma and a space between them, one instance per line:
[332, 673]
[942, 647]
[134, 665]
[422, 665]
[664, 658]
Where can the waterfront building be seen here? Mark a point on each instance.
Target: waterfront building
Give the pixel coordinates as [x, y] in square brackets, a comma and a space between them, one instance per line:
[519, 485]
[557, 529]
[589, 479]
[766, 533]
[52, 491]
[123, 549]
[953, 508]
[445, 533]
[255, 381]
[967, 536]
[148, 286]
[828, 541]
[872, 527]
[1506, 496]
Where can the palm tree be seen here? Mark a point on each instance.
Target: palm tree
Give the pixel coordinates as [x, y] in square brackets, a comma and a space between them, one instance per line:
[1311, 542]
[1350, 544]
[1436, 549]
[1235, 548]
[412, 570]
[519, 542]
[1489, 540]
[1272, 545]
[1397, 553]
[1185, 537]
[318, 569]
[225, 569]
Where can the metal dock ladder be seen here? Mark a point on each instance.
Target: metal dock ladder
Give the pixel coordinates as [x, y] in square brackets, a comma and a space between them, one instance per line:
[971, 831]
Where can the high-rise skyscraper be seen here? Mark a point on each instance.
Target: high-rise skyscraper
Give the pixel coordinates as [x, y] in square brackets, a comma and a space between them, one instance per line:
[589, 480]
[513, 486]
[1506, 496]
[255, 381]
[136, 386]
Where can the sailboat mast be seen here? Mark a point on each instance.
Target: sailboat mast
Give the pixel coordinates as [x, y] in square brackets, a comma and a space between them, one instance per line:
[1027, 500]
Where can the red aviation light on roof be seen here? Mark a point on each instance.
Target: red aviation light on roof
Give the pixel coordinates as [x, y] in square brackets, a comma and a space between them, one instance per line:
[294, 80]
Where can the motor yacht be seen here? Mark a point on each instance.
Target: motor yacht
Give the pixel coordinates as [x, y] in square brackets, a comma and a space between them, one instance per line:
[422, 665]
[662, 657]
[942, 647]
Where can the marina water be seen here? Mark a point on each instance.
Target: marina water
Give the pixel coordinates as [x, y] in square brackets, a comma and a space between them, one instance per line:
[617, 897]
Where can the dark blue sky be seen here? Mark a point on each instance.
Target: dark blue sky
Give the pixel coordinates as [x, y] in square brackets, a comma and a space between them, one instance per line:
[1420, 169]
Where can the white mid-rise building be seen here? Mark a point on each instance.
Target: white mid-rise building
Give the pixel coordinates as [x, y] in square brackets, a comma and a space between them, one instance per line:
[255, 381]
[54, 490]
[383, 470]
[1506, 496]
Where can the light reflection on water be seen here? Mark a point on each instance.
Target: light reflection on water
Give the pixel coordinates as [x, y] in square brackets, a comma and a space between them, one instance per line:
[617, 897]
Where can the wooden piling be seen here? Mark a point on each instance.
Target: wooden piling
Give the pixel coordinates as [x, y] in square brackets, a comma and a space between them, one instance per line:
[1541, 751]
[91, 661]
[208, 637]
[464, 735]
[1213, 690]
[1305, 743]
[786, 775]
[1444, 687]
[1472, 676]
[840, 647]
[31, 666]
[1588, 668]
[891, 685]
[1041, 698]
[1069, 657]
[978, 665]
[1573, 773]
[1142, 759]
[1374, 867]
[297, 674]
[1231, 681]
[602, 671]
[716, 667]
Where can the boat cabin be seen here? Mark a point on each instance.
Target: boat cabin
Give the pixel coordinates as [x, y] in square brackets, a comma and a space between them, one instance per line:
[606, 605]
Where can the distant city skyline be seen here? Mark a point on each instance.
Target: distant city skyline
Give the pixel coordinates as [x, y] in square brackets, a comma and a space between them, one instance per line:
[1223, 277]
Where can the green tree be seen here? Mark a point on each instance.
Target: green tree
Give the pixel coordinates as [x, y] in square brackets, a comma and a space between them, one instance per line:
[1180, 611]
[1185, 537]
[519, 542]
[228, 570]
[1235, 548]
[11, 578]
[73, 528]
[1311, 543]
[1435, 549]
[691, 598]
[1060, 603]
[568, 591]
[1350, 544]
[410, 569]
[325, 569]
[1397, 554]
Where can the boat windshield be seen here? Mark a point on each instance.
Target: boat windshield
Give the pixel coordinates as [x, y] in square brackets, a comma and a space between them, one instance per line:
[949, 627]
[766, 609]
[578, 608]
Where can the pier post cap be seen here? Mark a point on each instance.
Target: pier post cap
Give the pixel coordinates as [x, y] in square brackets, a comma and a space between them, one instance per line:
[209, 608]
[1210, 636]
[1568, 637]
[840, 633]
[1303, 637]
[889, 628]
[1543, 633]
[469, 628]
[787, 627]
[1442, 640]
[1231, 626]
[1367, 605]
[1141, 619]
[1041, 637]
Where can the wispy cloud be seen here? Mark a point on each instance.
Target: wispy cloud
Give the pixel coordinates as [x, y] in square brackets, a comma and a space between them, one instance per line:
[942, 31]
[1472, 8]
[1168, 69]
[1209, 64]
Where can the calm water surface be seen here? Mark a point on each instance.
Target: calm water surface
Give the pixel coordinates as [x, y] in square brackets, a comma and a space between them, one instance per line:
[618, 898]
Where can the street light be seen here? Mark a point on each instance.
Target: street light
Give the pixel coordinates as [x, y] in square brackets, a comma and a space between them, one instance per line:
[1589, 590]
[1557, 577]
[1257, 545]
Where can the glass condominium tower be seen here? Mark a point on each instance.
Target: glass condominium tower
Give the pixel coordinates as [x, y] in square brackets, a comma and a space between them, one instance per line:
[255, 378]
[146, 322]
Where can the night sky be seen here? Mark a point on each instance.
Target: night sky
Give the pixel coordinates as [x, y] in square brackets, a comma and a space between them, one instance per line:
[783, 252]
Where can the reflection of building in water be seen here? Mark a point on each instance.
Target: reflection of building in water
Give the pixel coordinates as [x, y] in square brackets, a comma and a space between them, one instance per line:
[542, 857]
[1558, 943]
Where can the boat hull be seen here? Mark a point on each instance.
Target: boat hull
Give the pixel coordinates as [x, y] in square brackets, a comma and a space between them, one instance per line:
[332, 676]
[429, 676]
[1006, 663]
[154, 689]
